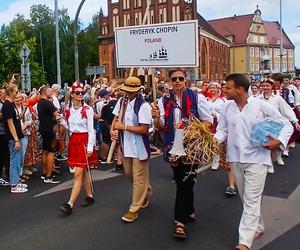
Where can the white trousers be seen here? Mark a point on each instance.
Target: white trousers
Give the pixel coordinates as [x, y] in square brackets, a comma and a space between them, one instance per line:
[250, 180]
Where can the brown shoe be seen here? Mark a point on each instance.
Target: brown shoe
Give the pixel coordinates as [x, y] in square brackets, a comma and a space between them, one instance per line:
[241, 247]
[130, 217]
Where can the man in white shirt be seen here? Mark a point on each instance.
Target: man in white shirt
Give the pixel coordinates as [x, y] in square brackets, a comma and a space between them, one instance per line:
[249, 162]
[133, 126]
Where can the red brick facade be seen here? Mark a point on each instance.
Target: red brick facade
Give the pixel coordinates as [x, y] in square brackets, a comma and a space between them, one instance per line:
[215, 63]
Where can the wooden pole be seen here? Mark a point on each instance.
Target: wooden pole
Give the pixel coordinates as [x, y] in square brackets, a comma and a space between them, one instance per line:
[114, 143]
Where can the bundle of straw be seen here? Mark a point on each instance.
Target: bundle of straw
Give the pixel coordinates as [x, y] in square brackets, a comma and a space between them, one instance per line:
[199, 143]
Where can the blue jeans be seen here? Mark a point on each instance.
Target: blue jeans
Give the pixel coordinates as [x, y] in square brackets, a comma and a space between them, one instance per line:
[16, 162]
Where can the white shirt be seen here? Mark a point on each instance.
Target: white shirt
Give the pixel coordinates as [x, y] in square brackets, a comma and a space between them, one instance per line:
[202, 106]
[281, 105]
[215, 106]
[133, 145]
[294, 95]
[56, 102]
[77, 124]
[100, 105]
[235, 126]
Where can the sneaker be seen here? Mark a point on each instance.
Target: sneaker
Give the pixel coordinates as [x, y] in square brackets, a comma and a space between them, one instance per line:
[119, 167]
[3, 182]
[26, 171]
[285, 153]
[43, 176]
[293, 145]
[230, 191]
[66, 209]
[33, 169]
[61, 158]
[102, 161]
[18, 189]
[23, 185]
[130, 216]
[271, 170]
[88, 201]
[279, 161]
[51, 179]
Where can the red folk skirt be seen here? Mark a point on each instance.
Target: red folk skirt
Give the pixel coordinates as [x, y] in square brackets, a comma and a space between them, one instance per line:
[77, 152]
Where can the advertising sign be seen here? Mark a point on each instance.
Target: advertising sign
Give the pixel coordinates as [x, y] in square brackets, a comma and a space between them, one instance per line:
[158, 45]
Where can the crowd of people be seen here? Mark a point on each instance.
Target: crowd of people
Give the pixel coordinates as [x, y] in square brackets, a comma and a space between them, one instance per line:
[80, 122]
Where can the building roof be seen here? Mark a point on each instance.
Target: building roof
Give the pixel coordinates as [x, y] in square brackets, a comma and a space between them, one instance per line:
[205, 25]
[273, 34]
[239, 26]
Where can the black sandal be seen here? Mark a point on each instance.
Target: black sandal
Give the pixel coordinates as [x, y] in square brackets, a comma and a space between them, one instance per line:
[180, 232]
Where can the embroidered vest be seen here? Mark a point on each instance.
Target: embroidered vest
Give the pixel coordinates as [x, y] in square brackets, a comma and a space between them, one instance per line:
[139, 101]
[188, 107]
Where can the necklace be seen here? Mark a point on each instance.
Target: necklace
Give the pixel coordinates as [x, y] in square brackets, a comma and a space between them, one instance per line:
[77, 107]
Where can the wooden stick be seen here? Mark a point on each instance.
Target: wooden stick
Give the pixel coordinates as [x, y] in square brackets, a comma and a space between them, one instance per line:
[114, 142]
[154, 94]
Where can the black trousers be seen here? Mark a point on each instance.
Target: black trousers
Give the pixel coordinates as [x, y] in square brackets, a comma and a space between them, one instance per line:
[185, 177]
[4, 156]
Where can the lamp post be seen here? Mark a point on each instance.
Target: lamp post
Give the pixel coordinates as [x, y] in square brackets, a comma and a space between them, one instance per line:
[57, 44]
[281, 39]
[76, 40]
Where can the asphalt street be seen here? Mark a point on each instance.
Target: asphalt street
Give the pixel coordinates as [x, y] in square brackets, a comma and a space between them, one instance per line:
[33, 221]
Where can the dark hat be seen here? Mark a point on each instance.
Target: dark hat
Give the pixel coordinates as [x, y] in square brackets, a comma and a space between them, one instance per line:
[103, 92]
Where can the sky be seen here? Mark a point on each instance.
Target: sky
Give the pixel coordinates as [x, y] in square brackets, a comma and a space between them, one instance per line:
[209, 9]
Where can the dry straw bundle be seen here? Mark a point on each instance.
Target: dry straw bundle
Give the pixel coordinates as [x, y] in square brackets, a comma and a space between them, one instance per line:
[199, 143]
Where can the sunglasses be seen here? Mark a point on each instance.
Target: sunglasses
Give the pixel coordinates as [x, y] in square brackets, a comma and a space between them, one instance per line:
[79, 92]
[180, 78]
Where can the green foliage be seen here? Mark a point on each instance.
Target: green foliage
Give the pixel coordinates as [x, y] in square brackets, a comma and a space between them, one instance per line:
[38, 32]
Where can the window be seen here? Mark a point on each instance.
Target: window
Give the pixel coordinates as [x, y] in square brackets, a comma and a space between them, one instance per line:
[137, 3]
[187, 14]
[126, 20]
[271, 65]
[162, 1]
[251, 66]
[175, 13]
[251, 51]
[126, 4]
[151, 16]
[115, 22]
[257, 66]
[257, 52]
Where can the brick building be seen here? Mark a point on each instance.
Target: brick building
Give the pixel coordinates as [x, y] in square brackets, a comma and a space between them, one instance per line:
[255, 45]
[214, 49]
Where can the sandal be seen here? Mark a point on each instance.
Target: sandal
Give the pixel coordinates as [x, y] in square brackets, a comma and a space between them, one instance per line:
[180, 232]
[25, 177]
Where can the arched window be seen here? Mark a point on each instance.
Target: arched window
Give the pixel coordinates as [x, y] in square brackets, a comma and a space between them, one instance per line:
[204, 58]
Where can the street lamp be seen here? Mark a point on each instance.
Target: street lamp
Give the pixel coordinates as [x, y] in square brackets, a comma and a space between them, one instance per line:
[281, 38]
[76, 40]
[57, 44]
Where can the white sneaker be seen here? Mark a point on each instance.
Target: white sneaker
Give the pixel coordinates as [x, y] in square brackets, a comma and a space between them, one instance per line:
[215, 163]
[285, 153]
[23, 185]
[72, 170]
[18, 189]
[293, 145]
[3, 182]
[279, 161]
[270, 170]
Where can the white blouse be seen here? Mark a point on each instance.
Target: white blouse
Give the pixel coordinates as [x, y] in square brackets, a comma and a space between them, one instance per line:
[215, 106]
[77, 124]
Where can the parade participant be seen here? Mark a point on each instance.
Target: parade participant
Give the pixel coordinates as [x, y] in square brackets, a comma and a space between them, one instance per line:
[255, 89]
[26, 122]
[133, 130]
[55, 94]
[293, 100]
[168, 116]
[4, 159]
[249, 162]
[47, 114]
[81, 154]
[13, 128]
[297, 82]
[284, 109]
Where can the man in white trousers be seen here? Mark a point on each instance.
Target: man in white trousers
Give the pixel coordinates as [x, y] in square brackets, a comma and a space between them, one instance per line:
[249, 162]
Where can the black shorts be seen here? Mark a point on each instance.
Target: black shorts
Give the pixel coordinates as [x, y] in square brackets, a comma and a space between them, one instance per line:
[47, 138]
[105, 133]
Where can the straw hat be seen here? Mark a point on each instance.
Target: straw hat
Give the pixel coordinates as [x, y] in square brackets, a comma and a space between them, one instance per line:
[132, 84]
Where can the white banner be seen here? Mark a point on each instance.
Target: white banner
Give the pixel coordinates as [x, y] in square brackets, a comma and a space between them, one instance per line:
[158, 45]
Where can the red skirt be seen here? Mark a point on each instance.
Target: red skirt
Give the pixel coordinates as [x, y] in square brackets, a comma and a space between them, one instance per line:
[77, 152]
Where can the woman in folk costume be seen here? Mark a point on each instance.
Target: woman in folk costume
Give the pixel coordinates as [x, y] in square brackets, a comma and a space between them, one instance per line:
[172, 110]
[81, 154]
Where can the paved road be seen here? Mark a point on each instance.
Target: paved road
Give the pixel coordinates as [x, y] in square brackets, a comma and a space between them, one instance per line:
[32, 220]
